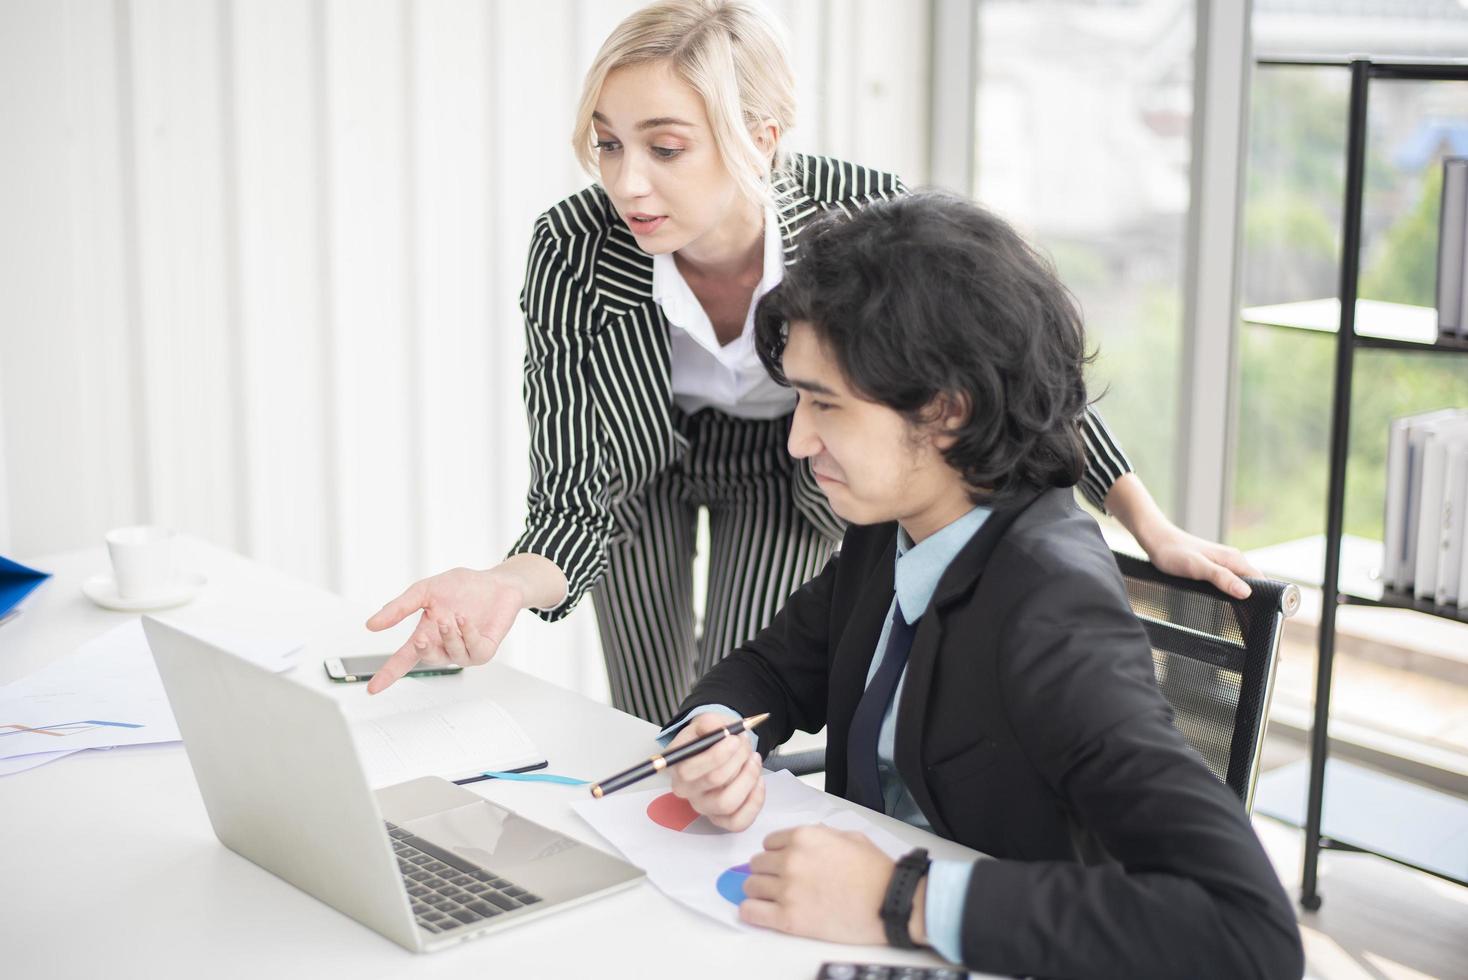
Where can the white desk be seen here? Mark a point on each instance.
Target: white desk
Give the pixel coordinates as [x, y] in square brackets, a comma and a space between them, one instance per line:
[111, 869]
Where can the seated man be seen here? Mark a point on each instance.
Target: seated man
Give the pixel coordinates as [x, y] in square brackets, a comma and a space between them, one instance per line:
[971, 650]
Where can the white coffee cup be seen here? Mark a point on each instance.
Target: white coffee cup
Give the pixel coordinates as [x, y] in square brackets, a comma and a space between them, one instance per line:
[142, 560]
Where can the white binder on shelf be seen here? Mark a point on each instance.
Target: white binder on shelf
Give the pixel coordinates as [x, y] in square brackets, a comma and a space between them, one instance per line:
[1455, 498]
[1437, 438]
[1463, 575]
[1452, 250]
[1418, 426]
[1394, 527]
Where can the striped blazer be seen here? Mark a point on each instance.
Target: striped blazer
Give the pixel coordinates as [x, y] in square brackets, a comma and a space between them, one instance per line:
[598, 383]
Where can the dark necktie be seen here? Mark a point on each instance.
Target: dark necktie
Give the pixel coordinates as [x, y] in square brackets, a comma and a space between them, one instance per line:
[862, 784]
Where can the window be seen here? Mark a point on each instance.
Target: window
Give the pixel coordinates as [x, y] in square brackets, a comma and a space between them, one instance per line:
[1083, 141]
[1292, 218]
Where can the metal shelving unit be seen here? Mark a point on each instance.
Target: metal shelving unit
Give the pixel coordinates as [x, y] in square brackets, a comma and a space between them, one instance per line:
[1442, 346]
[1393, 599]
[1348, 341]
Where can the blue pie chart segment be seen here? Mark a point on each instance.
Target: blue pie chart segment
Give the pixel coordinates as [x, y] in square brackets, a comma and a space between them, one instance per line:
[731, 883]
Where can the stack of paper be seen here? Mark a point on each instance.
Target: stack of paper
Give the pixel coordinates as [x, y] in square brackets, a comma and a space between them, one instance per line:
[108, 693]
[1427, 491]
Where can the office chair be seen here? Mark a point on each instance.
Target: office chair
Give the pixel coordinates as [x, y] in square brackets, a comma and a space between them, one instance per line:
[1214, 657]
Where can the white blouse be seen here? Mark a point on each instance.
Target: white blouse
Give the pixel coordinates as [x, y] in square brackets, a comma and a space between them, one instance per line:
[729, 378]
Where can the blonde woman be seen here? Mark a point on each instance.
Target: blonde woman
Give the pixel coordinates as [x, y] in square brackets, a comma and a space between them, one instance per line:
[645, 396]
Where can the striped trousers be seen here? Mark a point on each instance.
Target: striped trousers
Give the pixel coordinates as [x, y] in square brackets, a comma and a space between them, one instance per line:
[761, 549]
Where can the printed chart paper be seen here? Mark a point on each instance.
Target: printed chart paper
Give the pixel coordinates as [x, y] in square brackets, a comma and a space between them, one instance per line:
[696, 863]
[108, 693]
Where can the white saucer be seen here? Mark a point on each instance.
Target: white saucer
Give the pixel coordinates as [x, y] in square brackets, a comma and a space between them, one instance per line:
[102, 590]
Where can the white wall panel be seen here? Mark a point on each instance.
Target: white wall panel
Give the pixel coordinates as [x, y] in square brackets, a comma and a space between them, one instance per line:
[375, 426]
[802, 19]
[871, 84]
[278, 211]
[100, 327]
[890, 102]
[185, 334]
[592, 21]
[71, 463]
[839, 74]
[453, 260]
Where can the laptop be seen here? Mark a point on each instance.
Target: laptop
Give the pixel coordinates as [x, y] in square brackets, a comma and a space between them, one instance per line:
[426, 863]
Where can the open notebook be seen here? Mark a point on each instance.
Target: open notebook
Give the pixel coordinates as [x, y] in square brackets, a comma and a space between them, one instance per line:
[457, 740]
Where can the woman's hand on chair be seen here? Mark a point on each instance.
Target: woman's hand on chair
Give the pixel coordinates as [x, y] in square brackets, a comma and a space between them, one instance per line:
[1177, 552]
[1172, 549]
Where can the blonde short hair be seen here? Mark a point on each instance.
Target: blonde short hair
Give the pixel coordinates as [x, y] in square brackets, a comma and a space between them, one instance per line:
[731, 52]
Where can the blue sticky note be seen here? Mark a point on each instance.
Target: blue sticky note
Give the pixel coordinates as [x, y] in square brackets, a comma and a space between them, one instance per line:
[16, 582]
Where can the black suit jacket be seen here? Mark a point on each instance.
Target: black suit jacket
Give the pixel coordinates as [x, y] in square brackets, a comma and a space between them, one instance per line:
[1030, 727]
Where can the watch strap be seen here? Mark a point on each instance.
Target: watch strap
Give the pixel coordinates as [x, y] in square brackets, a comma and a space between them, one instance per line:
[897, 903]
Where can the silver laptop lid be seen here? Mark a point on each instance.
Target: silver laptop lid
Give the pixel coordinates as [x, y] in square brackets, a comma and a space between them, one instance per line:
[281, 780]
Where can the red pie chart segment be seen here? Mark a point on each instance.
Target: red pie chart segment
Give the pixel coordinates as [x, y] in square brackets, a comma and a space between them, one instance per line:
[675, 813]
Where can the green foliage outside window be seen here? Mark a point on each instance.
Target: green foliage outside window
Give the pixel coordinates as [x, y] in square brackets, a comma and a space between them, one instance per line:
[1291, 231]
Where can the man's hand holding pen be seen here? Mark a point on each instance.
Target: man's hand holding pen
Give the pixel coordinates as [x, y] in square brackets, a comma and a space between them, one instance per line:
[809, 881]
[724, 783]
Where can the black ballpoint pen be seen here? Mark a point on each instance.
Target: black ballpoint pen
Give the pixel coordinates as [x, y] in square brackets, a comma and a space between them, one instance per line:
[660, 762]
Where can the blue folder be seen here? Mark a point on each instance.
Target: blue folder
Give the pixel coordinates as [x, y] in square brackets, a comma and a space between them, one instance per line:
[16, 582]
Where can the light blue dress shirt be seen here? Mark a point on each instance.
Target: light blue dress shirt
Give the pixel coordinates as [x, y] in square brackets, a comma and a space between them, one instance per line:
[916, 575]
[919, 568]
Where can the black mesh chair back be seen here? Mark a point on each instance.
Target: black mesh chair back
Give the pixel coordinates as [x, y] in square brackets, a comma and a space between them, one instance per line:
[1215, 659]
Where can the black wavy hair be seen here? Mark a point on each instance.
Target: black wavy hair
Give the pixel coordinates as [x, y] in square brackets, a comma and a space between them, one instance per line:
[928, 295]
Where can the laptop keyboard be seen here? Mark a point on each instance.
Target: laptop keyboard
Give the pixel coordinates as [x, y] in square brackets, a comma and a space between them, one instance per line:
[447, 891]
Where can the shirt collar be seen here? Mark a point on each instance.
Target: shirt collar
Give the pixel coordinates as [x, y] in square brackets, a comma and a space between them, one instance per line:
[920, 566]
[672, 292]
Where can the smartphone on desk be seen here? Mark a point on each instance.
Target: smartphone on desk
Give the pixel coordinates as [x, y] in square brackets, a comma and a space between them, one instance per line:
[350, 669]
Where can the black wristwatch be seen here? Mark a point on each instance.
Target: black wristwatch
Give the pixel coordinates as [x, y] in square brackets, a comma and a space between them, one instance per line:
[897, 903]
